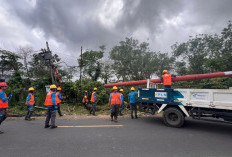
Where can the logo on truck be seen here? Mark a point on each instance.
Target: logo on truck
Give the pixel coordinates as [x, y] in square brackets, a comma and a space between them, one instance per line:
[161, 94]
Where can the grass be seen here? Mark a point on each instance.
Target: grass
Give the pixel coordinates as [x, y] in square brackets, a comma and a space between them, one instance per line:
[65, 108]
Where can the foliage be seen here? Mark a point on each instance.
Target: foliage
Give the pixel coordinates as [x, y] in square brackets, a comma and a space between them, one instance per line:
[133, 60]
[91, 63]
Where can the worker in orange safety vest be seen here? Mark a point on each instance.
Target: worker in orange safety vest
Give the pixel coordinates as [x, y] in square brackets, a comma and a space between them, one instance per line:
[30, 102]
[93, 101]
[3, 102]
[167, 79]
[51, 105]
[59, 99]
[115, 103]
[85, 99]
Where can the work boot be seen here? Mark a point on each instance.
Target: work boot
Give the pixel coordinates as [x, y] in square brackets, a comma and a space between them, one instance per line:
[46, 126]
[53, 127]
[1, 132]
[115, 119]
[132, 117]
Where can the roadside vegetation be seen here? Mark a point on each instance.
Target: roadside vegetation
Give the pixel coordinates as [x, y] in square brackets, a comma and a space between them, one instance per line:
[128, 60]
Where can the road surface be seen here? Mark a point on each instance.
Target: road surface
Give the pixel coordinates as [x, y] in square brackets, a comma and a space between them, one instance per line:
[145, 137]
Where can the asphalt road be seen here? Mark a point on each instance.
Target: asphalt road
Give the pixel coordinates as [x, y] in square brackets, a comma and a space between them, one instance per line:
[145, 137]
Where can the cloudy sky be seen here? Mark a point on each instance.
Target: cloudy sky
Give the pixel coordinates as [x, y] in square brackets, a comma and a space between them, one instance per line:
[69, 24]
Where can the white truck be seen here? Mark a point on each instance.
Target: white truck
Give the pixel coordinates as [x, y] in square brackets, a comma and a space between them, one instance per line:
[176, 104]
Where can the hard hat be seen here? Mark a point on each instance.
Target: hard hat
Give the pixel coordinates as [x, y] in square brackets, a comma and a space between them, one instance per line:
[31, 89]
[85, 96]
[132, 88]
[3, 84]
[165, 71]
[115, 88]
[53, 86]
[121, 90]
[58, 88]
[95, 88]
[86, 91]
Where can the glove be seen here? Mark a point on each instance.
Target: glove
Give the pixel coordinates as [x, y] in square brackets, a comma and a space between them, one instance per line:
[10, 95]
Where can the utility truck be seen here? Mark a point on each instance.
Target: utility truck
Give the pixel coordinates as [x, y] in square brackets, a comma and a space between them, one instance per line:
[177, 104]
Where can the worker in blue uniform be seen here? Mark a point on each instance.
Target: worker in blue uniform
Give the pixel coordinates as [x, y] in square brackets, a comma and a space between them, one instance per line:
[30, 103]
[51, 104]
[3, 102]
[133, 102]
[122, 102]
[59, 99]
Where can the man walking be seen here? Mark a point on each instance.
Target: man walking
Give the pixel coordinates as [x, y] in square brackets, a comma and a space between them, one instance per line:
[3, 102]
[59, 99]
[50, 103]
[30, 102]
[85, 99]
[133, 102]
[93, 101]
[122, 102]
[114, 102]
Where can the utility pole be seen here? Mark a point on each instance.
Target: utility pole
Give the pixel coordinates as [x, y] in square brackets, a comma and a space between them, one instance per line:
[50, 62]
[81, 67]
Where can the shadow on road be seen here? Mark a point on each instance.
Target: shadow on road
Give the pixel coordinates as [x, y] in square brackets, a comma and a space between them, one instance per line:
[194, 125]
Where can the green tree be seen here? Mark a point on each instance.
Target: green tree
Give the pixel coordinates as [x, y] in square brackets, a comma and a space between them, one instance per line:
[133, 60]
[91, 63]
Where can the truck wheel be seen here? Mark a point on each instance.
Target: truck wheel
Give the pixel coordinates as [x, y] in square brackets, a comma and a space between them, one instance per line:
[173, 117]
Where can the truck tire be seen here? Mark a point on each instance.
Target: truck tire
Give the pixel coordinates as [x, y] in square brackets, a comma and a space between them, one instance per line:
[173, 117]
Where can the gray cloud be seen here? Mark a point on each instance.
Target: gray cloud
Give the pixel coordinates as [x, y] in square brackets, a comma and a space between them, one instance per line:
[93, 23]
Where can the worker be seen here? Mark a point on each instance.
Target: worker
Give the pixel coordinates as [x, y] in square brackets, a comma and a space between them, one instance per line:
[59, 99]
[114, 102]
[85, 99]
[51, 105]
[93, 101]
[122, 102]
[167, 79]
[133, 102]
[30, 103]
[3, 102]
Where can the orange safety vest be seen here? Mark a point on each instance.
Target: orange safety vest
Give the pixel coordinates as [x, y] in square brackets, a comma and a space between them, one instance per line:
[3, 104]
[115, 98]
[167, 79]
[92, 97]
[32, 100]
[85, 99]
[48, 101]
[57, 98]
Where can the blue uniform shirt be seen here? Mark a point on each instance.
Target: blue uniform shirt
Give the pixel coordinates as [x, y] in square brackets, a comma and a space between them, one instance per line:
[60, 97]
[2, 97]
[132, 97]
[54, 98]
[122, 98]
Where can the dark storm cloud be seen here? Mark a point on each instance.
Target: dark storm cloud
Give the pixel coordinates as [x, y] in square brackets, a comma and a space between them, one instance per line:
[77, 22]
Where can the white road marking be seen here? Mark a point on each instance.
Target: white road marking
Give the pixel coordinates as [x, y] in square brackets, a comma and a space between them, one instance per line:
[91, 126]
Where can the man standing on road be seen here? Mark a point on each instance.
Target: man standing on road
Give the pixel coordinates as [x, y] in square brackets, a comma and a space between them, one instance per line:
[93, 101]
[85, 99]
[3, 102]
[59, 99]
[133, 102]
[122, 102]
[114, 102]
[50, 103]
[30, 102]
